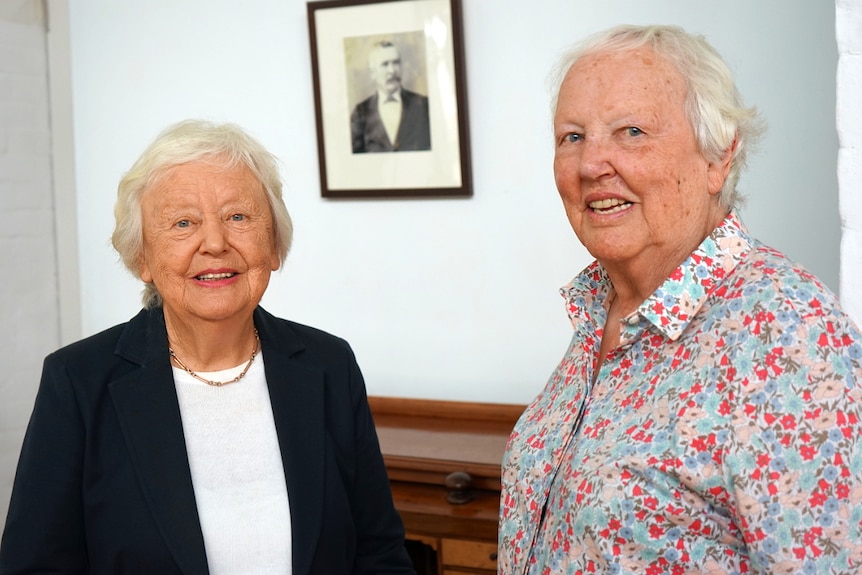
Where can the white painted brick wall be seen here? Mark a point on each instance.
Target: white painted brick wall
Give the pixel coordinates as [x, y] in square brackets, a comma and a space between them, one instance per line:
[28, 292]
[848, 33]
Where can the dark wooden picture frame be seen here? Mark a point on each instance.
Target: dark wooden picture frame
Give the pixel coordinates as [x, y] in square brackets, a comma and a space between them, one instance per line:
[429, 156]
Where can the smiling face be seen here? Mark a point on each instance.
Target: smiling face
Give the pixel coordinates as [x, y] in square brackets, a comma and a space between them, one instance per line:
[208, 241]
[636, 188]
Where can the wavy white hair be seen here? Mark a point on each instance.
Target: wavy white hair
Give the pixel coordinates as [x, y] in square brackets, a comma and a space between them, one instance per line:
[226, 145]
[713, 104]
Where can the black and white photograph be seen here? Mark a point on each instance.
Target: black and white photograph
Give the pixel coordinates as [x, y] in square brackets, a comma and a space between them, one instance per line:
[390, 98]
[389, 116]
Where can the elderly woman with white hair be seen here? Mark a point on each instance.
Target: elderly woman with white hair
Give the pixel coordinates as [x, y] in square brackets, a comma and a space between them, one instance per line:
[707, 416]
[204, 435]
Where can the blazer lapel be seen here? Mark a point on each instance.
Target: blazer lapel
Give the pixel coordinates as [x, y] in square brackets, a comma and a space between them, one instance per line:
[149, 414]
[297, 397]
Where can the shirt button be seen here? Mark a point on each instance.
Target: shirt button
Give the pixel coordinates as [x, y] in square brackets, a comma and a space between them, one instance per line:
[633, 320]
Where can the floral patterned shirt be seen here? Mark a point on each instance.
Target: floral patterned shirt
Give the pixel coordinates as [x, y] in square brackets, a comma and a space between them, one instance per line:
[722, 436]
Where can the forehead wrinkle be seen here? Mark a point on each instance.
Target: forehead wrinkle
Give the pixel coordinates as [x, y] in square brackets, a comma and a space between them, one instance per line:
[206, 177]
[648, 84]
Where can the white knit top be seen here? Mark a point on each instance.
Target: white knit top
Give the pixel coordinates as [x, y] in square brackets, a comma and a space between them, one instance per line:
[237, 472]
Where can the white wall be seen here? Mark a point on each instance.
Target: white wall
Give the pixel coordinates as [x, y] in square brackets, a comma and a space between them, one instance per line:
[848, 16]
[441, 298]
[28, 293]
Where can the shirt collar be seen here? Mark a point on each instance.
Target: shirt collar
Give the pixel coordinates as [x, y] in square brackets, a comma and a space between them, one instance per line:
[670, 307]
[383, 97]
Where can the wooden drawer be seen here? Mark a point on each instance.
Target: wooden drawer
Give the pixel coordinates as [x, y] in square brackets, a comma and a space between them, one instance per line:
[475, 554]
[424, 442]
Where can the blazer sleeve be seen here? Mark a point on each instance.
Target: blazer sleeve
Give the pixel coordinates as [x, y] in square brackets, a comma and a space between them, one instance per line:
[380, 532]
[44, 527]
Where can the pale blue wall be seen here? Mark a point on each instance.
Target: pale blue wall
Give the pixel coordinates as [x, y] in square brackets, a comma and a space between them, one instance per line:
[453, 299]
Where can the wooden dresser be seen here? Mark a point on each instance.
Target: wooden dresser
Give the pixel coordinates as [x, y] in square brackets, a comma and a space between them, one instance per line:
[443, 460]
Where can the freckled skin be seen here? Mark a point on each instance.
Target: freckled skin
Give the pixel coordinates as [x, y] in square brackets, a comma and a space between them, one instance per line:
[201, 217]
[621, 132]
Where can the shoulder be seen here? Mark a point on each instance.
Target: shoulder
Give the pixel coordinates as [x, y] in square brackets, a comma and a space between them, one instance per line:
[87, 367]
[298, 339]
[407, 95]
[312, 336]
[767, 275]
[366, 104]
[95, 350]
[91, 345]
[771, 304]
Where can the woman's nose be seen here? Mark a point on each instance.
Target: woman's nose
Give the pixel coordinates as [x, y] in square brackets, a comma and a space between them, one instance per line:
[595, 159]
[213, 237]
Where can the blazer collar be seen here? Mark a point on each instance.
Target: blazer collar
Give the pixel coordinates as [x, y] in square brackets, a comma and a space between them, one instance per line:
[149, 416]
[148, 410]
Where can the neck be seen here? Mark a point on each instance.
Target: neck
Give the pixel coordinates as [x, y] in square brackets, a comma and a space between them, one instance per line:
[211, 345]
[635, 280]
[633, 286]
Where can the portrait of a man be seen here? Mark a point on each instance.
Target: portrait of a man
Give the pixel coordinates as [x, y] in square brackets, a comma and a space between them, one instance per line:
[393, 118]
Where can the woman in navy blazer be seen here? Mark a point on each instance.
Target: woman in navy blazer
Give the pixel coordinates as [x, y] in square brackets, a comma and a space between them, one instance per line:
[126, 466]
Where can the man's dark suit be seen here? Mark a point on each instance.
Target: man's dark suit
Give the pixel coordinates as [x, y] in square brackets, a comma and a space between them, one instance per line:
[369, 135]
[103, 483]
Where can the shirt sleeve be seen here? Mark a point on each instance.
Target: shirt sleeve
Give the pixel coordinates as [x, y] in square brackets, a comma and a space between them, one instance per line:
[795, 456]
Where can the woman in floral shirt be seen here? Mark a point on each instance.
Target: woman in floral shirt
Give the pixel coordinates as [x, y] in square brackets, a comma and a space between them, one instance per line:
[706, 416]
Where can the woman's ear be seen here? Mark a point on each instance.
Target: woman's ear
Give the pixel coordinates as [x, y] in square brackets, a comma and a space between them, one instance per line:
[144, 270]
[717, 171]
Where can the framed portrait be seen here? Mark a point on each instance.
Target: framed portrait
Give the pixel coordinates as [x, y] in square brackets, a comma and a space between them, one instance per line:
[390, 98]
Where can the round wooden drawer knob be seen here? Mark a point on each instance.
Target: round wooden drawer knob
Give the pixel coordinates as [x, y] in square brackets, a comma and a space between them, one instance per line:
[459, 482]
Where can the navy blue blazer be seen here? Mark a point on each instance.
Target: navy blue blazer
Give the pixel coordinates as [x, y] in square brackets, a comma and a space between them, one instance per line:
[103, 483]
[369, 135]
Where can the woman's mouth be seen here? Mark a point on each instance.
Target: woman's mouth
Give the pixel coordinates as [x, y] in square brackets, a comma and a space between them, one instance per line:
[609, 205]
[211, 277]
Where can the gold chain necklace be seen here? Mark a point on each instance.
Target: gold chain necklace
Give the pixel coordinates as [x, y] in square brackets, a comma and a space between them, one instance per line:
[185, 368]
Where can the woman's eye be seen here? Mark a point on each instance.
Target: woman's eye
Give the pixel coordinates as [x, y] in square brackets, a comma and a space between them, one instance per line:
[183, 224]
[573, 137]
[237, 218]
[633, 131]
